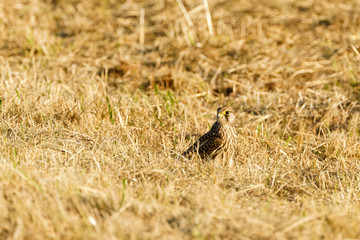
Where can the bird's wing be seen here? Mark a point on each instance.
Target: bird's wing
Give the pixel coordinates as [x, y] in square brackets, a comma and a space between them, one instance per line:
[207, 146]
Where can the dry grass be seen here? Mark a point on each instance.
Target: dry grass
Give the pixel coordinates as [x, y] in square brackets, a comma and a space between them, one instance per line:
[98, 96]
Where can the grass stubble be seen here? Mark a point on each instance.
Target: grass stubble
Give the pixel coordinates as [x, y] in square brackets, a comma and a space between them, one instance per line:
[97, 97]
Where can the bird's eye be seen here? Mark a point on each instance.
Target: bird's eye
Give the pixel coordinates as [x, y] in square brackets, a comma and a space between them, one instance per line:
[227, 112]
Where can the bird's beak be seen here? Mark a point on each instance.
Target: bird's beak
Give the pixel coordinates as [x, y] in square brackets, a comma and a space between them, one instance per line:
[220, 115]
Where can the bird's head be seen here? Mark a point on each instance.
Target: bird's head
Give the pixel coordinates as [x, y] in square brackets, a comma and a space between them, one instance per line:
[225, 115]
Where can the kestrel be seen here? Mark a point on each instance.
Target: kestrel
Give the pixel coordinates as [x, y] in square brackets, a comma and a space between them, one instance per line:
[220, 141]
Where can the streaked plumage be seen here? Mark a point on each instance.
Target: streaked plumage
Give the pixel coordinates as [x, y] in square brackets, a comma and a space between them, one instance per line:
[220, 140]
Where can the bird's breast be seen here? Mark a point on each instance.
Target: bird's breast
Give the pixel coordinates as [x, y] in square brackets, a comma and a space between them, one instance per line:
[229, 136]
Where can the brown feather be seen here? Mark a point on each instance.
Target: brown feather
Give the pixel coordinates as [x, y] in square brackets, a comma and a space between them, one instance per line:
[207, 145]
[221, 138]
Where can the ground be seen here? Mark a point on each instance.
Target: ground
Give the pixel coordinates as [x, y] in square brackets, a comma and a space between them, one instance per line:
[98, 98]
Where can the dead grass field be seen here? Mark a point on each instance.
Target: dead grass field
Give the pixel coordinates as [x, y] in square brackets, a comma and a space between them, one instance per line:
[97, 97]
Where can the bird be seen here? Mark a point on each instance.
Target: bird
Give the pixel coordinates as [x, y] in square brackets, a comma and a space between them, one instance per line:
[219, 141]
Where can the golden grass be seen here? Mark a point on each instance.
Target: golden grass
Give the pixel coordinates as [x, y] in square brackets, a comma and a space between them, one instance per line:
[97, 97]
